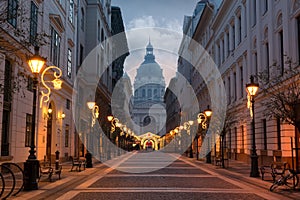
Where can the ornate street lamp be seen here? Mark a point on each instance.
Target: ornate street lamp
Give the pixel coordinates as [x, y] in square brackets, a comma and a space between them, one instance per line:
[252, 88]
[113, 121]
[95, 111]
[187, 127]
[31, 166]
[202, 120]
[95, 114]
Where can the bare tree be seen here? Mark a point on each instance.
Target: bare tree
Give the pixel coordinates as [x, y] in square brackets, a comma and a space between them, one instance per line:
[15, 24]
[281, 86]
[16, 40]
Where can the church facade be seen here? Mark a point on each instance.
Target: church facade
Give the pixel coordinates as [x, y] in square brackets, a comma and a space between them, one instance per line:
[149, 88]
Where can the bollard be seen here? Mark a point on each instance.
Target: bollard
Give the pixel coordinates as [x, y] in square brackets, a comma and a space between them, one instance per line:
[88, 157]
[56, 159]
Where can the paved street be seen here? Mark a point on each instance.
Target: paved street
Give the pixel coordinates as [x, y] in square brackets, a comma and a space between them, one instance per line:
[183, 179]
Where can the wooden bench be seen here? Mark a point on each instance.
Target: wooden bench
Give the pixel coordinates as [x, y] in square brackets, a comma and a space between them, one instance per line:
[46, 170]
[77, 163]
[58, 171]
[266, 170]
[49, 171]
[218, 161]
[275, 169]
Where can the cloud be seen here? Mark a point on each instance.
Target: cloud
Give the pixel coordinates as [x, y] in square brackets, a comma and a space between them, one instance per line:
[165, 35]
[142, 22]
[165, 43]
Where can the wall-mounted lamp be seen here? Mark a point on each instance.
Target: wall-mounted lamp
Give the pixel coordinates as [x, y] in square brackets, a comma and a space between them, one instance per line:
[202, 117]
[95, 111]
[61, 116]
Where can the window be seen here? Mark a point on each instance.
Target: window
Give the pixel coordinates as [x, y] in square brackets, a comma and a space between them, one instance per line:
[264, 6]
[149, 93]
[229, 91]
[243, 137]
[68, 104]
[69, 68]
[264, 122]
[255, 63]
[82, 19]
[253, 12]
[219, 55]
[239, 29]
[98, 30]
[228, 43]
[71, 11]
[278, 133]
[7, 82]
[242, 81]
[235, 93]
[6, 109]
[281, 54]
[233, 37]
[143, 93]
[55, 47]
[267, 60]
[102, 35]
[28, 130]
[235, 137]
[30, 84]
[67, 135]
[33, 23]
[223, 50]
[12, 12]
[81, 54]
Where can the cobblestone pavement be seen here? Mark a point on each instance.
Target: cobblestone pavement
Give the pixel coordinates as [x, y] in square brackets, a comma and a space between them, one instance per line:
[183, 179]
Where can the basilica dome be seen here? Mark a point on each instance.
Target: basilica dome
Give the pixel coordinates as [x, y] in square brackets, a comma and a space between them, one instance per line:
[149, 71]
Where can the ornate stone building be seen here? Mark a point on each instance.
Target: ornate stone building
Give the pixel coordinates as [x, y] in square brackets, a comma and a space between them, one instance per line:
[149, 89]
[248, 37]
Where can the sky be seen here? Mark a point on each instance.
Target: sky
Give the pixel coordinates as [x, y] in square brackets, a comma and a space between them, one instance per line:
[159, 20]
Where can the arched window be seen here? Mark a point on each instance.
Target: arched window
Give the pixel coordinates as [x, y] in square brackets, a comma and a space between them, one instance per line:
[149, 93]
[155, 93]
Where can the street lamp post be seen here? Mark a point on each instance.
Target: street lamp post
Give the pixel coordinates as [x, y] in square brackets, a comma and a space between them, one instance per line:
[31, 166]
[202, 119]
[187, 127]
[95, 115]
[113, 120]
[252, 89]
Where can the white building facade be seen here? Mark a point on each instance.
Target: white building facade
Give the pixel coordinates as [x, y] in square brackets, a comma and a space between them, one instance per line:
[246, 38]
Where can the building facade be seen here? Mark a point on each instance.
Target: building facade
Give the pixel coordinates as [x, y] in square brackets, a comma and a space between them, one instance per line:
[249, 38]
[54, 32]
[66, 32]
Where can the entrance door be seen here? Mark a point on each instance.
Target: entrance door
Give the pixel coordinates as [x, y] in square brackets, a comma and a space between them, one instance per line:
[49, 136]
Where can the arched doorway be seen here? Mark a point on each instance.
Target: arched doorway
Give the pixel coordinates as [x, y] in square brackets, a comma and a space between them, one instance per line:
[49, 132]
